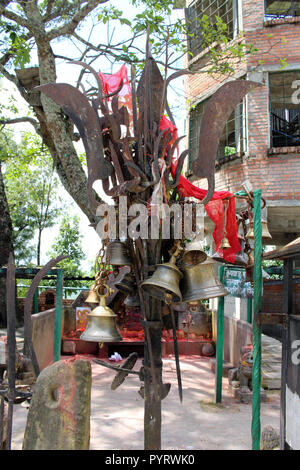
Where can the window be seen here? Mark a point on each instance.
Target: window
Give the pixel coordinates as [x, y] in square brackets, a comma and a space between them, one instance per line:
[225, 9]
[285, 109]
[281, 9]
[233, 142]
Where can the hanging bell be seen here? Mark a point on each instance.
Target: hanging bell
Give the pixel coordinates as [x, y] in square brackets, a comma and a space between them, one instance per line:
[93, 297]
[224, 243]
[266, 236]
[200, 282]
[193, 253]
[127, 284]
[101, 326]
[132, 300]
[117, 255]
[164, 282]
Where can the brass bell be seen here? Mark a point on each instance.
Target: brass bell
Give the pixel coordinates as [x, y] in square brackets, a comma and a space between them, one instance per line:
[193, 253]
[200, 282]
[117, 254]
[224, 243]
[132, 300]
[101, 326]
[164, 282]
[93, 297]
[266, 236]
[127, 284]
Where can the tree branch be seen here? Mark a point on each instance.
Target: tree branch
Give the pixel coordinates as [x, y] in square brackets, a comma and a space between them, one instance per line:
[10, 15]
[22, 119]
[70, 27]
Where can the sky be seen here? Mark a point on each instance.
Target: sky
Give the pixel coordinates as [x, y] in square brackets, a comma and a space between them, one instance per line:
[68, 74]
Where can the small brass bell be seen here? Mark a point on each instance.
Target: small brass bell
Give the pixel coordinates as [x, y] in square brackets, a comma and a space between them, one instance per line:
[132, 300]
[193, 253]
[200, 282]
[224, 243]
[93, 297]
[127, 284]
[164, 282]
[101, 326]
[117, 255]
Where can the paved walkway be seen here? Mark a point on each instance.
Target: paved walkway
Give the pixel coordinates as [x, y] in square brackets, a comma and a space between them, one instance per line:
[197, 423]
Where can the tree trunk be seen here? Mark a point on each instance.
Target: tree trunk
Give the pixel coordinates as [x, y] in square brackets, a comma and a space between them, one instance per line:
[6, 246]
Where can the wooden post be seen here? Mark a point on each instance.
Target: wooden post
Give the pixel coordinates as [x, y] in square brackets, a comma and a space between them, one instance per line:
[58, 316]
[220, 343]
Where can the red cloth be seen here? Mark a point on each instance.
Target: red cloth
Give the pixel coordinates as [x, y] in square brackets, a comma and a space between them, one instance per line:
[111, 82]
[215, 207]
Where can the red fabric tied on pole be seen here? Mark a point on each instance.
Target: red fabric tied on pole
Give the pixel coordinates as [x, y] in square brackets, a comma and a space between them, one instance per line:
[111, 82]
[215, 207]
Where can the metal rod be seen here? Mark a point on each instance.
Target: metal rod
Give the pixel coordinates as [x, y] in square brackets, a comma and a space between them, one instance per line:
[58, 317]
[11, 344]
[178, 372]
[220, 342]
[257, 279]
[1, 422]
[117, 368]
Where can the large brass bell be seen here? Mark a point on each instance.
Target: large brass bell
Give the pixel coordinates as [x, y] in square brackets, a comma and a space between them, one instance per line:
[93, 297]
[200, 282]
[117, 255]
[266, 236]
[164, 282]
[101, 326]
[127, 284]
[193, 253]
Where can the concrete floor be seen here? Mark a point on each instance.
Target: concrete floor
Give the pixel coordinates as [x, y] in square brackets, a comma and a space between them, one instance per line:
[197, 423]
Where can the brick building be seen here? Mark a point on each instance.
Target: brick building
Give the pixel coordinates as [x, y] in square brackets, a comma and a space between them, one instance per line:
[261, 139]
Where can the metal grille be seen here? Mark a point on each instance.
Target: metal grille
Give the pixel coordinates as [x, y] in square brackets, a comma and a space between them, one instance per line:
[281, 9]
[233, 142]
[285, 109]
[211, 8]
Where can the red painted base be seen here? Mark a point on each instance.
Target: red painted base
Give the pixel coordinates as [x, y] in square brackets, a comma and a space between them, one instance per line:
[192, 347]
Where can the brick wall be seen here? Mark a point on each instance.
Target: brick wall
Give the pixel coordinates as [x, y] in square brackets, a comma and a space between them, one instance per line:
[272, 299]
[277, 174]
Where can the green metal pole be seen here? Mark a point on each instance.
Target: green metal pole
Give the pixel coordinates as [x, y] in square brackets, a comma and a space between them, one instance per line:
[58, 316]
[249, 310]
[36, 300]
[220, 342]
[257, 280]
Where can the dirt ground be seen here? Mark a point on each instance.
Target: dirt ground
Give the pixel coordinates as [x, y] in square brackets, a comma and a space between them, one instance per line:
[195, 424]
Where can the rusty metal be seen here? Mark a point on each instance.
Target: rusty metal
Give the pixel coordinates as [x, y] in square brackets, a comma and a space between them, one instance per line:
[176, 352]
[28, 349]
[132, 165]
[216, 112]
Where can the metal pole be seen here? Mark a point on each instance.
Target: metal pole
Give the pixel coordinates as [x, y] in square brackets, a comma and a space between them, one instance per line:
[58, 316]
[288, 309]
[220, 342]
[36, 301]
[249, 310]
[257, 279]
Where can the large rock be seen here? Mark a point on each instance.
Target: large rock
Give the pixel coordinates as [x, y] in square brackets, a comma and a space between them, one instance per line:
[59, 413]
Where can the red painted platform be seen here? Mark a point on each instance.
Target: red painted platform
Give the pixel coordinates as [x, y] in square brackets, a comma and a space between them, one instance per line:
[192, 347]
